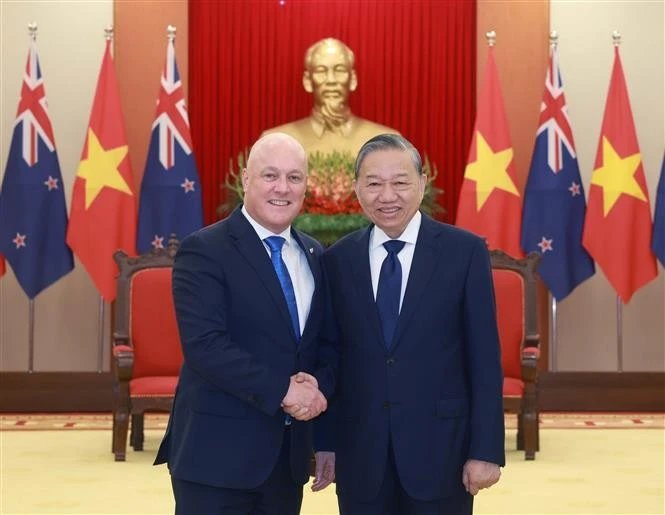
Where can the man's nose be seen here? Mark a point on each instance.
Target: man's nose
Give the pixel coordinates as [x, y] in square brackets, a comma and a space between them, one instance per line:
[282, 184]
[387, 193]
[330, 76]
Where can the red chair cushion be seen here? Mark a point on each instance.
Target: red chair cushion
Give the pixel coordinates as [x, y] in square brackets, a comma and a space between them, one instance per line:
[153, 386]
[152, 324]
[512, 387]
[509, 291]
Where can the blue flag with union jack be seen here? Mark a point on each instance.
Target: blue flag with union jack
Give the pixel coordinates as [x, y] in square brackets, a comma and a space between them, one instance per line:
[33, 214]
[554, 206]
[659, 218]
[170, 201]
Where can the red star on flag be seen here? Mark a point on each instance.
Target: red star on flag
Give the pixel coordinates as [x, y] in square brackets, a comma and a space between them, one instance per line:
[187, 185]
[158, 242]
[545, 245]
[19, 241]
[51, 183]
[574, 189]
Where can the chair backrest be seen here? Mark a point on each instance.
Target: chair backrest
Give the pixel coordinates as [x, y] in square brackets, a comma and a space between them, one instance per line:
[145, 316]
[515, 292]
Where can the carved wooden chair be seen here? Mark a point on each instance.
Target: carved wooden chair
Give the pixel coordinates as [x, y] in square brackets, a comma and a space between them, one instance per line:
[516, 305]
[146, 343]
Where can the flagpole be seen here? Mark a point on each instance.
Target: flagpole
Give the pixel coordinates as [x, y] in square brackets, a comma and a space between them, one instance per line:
[100, 335]
[554, 41]
[616, 39]
[32, 30]
[553, 334]
[31, 336]
[619, 334]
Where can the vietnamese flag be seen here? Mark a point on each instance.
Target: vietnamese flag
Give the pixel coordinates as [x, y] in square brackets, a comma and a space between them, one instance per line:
[2, 265]
[490, 204]
[617, 227]
[103, 213]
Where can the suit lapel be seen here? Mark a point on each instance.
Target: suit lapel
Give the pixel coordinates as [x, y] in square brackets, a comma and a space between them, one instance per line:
[252, 249]
[315, 267]
[423, 265]
[363, 279]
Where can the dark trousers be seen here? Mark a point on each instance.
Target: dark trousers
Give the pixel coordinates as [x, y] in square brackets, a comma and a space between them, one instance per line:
[279, 495]
[393, 499]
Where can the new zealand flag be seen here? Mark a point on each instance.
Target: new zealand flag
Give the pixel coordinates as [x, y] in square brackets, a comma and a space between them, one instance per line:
[554, 205]
[33, 214]
[170, 200]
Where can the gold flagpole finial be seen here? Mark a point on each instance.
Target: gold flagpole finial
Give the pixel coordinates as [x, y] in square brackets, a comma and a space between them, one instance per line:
[108, 32]
[32, 30]
[170, 32]
[616, 37]
[491, 37]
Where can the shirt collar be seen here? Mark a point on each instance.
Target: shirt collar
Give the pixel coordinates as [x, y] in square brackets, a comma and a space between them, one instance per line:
[409, 235]
[262, 232]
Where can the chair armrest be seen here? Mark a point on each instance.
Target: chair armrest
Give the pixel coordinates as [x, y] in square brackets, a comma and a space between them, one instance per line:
[124, 362]
[530, 356]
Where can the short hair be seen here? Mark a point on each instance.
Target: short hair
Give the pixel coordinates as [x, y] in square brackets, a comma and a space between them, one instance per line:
[387, 142]
[329, 41]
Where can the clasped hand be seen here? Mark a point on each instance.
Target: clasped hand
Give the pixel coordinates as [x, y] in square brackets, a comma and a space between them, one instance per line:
[304, 400]
[479, 474]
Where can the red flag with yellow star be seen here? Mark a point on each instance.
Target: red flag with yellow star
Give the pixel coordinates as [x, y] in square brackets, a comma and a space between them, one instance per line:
[103, 213]
[617, 227]
[2, 265]
[490, 204]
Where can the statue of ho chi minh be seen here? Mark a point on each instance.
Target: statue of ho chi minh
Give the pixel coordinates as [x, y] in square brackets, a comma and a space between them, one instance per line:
[330, 76]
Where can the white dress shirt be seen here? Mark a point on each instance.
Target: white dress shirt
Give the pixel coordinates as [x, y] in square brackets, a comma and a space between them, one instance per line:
[297, 265]
[377, 253]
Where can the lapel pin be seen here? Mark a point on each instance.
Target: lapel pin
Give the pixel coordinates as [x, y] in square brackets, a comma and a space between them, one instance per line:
[311, 250]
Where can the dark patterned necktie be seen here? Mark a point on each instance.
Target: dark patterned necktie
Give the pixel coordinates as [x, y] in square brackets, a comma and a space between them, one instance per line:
[275, 243]
[389, 290]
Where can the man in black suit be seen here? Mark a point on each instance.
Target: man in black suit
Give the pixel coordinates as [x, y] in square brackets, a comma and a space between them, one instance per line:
[250, 301]
[418, 410]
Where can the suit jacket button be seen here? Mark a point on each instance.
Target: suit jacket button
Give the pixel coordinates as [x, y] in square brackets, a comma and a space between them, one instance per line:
[390, 362]
[386, 405]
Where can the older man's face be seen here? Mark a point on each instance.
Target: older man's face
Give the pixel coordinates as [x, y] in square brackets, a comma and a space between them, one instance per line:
[330, 72]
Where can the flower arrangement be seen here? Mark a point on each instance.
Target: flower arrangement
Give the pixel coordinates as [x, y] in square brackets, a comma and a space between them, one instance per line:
[331, 209]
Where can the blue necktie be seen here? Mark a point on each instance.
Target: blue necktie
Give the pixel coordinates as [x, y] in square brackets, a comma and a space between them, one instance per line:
[389, 290]
[275, 244]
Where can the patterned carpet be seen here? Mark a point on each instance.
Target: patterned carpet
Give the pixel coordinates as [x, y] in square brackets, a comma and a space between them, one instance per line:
[87, 421]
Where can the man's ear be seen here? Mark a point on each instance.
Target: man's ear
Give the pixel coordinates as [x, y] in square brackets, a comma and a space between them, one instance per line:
[353, 83]
[307, 82]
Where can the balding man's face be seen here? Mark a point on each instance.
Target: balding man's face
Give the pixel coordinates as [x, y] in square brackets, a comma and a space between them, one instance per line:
[275, 181]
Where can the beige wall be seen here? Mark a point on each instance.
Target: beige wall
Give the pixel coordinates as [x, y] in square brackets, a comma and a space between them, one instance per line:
[71, 44]
[587, 319]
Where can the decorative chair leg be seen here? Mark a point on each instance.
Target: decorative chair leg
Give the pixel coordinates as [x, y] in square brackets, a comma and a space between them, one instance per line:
[120, 427]
[113, 433]
[520, 432]
[530, 435]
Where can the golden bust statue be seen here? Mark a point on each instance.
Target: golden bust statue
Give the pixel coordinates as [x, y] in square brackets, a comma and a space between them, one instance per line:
[330, 76]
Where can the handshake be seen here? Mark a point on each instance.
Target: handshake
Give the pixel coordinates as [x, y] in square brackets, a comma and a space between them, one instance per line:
[304, 400]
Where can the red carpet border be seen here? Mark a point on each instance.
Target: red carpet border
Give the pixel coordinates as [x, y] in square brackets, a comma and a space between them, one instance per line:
[157, 421]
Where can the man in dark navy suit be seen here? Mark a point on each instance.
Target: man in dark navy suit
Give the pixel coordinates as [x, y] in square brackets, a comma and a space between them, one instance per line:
[250, 303]
[418, 407]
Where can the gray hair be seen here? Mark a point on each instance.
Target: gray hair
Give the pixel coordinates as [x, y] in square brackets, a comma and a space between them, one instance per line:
[387, 142]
